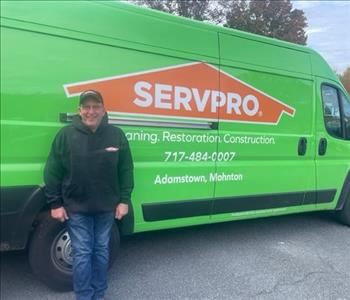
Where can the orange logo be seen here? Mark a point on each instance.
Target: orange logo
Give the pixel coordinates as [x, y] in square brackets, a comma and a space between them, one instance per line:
[189, 91]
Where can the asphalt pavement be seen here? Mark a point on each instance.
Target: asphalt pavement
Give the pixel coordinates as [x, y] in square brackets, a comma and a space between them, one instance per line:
[304, 256]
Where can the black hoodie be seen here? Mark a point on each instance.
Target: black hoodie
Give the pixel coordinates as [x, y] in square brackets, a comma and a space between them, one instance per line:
[89, 172]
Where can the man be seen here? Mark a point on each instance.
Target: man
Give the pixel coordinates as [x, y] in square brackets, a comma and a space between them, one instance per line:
[89, 180]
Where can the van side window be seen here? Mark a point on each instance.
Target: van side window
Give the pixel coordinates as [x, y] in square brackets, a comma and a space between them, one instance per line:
[331, 111]
[346, 112]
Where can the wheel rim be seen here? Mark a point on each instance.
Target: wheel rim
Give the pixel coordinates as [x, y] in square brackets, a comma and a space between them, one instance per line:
[61, 252]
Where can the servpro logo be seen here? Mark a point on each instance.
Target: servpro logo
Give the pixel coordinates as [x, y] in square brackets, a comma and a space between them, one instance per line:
[191, 91]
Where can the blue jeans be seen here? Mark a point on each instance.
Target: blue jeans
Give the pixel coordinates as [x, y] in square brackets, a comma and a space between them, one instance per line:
[90, 235]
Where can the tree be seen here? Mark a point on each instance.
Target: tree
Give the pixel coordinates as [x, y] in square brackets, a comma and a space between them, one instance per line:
[275, 19]
[345, 79]
[194, 9]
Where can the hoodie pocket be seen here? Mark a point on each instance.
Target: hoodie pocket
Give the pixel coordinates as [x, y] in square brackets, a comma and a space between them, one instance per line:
[110, 157]
[106, 164]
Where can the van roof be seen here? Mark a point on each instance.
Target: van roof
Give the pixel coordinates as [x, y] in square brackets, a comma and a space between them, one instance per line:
[176, 33]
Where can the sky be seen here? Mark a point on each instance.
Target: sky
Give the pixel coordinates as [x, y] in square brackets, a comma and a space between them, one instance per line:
[328, 30]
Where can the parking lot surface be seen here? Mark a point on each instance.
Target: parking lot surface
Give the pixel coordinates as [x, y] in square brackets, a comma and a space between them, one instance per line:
[294, 257]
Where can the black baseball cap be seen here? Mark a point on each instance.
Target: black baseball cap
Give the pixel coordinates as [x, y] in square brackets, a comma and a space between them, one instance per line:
[90, 94]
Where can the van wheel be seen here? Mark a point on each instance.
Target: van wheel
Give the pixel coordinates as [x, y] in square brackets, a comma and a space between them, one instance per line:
[344, 214]
[50, 254]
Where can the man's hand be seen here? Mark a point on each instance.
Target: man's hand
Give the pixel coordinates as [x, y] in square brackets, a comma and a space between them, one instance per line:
[121, 210]
[59, 214]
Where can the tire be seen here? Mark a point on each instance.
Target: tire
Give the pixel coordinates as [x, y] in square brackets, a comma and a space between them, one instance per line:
[50, 254]
[344, 214]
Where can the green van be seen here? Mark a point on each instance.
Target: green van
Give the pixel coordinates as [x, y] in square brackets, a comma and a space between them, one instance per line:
[223, 125]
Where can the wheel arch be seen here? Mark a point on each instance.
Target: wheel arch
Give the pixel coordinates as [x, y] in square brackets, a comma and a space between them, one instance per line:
[21, 207]
[345, 193]
[33, 212]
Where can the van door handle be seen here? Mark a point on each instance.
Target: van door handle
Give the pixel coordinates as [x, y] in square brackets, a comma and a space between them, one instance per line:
[322, 146]
[302, 146]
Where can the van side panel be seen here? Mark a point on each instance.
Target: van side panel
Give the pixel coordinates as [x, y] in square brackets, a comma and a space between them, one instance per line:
[34, 99]
[270, 173]
[254, 54]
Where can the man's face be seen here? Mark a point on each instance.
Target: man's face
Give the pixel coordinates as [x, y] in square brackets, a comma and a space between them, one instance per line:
[91, 112]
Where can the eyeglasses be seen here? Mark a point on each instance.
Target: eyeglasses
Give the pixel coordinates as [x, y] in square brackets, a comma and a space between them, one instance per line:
[92, 107]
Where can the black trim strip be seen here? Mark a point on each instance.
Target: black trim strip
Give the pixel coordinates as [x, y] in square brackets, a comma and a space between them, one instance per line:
[310, 198]
[325, 196]
[174, 210]
[204, 125]
[246, 203]
[194, 208]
